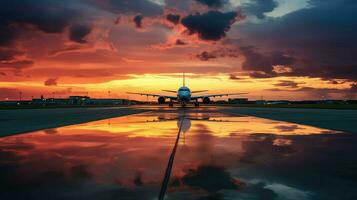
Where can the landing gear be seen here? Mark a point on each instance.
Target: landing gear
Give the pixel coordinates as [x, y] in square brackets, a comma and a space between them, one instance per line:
[197, 104]
[183, 104]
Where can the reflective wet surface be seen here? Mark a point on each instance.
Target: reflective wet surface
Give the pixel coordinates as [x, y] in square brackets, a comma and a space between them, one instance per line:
[218, 156]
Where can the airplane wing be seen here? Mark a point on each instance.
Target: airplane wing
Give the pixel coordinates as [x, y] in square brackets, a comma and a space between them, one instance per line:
[197, 91]
[154, 95]
[170, 91]
[215, 95]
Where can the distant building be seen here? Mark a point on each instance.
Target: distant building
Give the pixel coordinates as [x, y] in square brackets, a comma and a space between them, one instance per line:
[78, 100]
[50, 101]
[71, 100]
[57, 101]
[41, 101]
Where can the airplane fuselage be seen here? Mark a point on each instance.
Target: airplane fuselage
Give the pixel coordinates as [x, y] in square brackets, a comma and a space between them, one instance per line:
[184, 94]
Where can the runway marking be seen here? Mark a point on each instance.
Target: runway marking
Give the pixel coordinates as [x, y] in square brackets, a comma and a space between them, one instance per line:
[170, 163]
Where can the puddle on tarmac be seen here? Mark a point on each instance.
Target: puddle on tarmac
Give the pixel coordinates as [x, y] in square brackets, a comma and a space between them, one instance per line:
[218, 157]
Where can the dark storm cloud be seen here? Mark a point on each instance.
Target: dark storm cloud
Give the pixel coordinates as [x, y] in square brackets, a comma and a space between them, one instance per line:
[144, 7]
[46, 15]
[77, 33]
[212, 3]
[260, 64]
[51, 82]
[180, 42]
[9, 54]
[16, 64]
[212, 25]
[326, 93]
[8, 34]
[9, 59]
[348, 93]
[49, 16]
[334, 81]
[279, 58]
[323, 38]
[259, 7]
[19, 18]
[178, 5]
[288, 84]
[235, 77]
[173, 18]
[218, 53]
[205, 56]
[138, 21]
[255, 61]
[260, 74]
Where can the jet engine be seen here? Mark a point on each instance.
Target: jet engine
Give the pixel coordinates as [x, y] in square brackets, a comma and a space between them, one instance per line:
[206, 100]
[161, 100]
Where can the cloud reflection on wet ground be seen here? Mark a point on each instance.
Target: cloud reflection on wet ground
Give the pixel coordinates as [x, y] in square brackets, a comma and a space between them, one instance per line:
[219, 156]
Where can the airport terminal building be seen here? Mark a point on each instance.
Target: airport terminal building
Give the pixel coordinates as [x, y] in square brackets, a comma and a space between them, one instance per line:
[71, 100]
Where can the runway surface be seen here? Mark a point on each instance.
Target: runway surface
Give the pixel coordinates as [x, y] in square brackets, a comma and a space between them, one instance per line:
[180, 154]
[17, 121]
[343, 120]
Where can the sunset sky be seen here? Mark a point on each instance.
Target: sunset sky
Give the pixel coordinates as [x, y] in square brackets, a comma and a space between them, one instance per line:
[273, 49]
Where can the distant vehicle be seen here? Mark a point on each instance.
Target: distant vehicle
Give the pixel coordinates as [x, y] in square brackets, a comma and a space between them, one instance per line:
[184, 96]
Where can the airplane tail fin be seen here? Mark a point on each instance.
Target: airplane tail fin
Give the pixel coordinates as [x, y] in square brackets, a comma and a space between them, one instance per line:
[183, 79]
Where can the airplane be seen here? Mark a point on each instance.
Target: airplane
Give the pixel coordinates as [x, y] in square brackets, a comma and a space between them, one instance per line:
[184, 95]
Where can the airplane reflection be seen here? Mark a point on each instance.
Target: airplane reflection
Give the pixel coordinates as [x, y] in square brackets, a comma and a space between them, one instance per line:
[186, 121]
[203, 176]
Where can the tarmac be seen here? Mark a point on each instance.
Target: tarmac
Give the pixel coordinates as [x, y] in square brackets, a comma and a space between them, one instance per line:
[342, 120]
[15, 121]
[172, 153]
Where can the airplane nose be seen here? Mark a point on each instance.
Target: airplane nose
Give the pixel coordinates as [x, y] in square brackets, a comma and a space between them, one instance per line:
[185, 95]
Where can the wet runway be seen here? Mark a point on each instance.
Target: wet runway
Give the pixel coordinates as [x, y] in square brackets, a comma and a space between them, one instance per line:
[180, 154]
